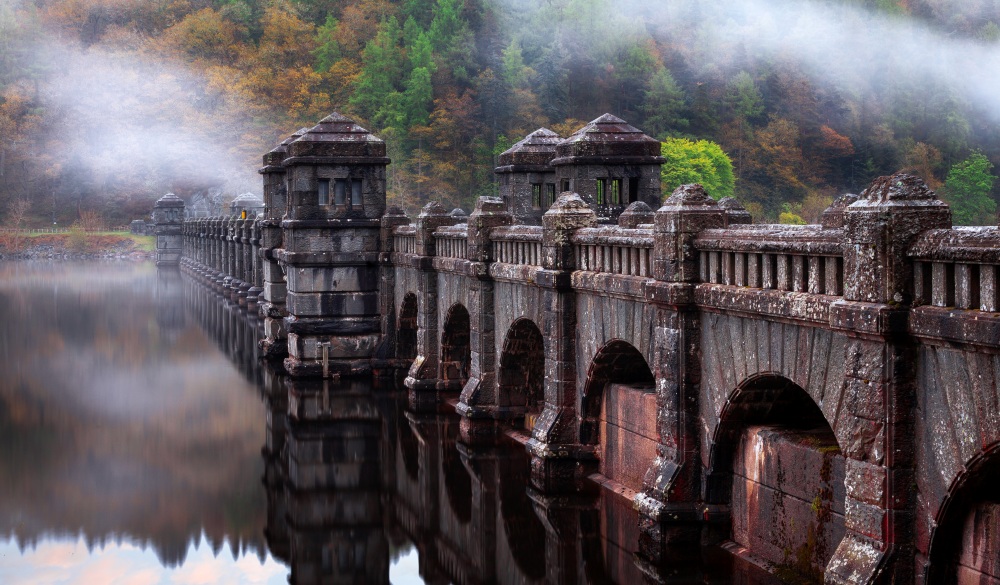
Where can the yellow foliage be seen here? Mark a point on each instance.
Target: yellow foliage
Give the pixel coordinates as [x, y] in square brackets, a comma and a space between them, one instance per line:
[204, 35]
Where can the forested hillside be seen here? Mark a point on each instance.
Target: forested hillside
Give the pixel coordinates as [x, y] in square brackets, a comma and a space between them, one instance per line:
[107, 104]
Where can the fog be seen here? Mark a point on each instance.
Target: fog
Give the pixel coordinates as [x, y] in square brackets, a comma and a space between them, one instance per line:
[130, 120]
[850, 48]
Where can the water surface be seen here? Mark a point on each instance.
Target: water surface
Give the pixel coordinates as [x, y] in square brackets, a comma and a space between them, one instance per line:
[142, 441]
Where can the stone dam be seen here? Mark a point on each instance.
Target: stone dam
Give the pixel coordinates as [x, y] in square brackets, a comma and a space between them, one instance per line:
[822, 399]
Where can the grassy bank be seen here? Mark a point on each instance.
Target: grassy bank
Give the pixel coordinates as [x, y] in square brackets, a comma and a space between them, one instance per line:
[76, 243]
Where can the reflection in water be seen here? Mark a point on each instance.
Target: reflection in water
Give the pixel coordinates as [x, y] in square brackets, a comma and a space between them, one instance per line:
[112, 408]
[135, 415]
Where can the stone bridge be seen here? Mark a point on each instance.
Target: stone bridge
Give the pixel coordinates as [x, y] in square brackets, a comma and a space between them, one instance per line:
[823, 398]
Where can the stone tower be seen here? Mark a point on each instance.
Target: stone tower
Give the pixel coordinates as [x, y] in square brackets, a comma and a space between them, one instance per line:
[527, 180]
[335, 177]
[610, 164]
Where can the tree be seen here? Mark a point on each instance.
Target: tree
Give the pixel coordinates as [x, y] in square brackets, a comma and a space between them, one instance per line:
[663, 105]
[743, 97]
[968, 190]
[925, 160]
[701, 162]
[381, 71]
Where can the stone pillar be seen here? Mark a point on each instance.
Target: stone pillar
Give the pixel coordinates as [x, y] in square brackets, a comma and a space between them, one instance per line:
[385, 355]
[423, 375]
[671, 488]
[478, 404]
[330, 248]
[876, 432]
[168, 217]
[558, 459]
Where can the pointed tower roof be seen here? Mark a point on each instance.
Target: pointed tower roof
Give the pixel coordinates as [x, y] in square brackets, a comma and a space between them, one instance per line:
[535, 149]
[608, 140]
[338, 137]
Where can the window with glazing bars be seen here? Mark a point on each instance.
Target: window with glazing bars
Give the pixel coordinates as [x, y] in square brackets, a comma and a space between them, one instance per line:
[615, 192]
[324, 191]
[536, 195]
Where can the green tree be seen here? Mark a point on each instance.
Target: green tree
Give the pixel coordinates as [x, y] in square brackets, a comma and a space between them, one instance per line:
[327, 51]
[743, 97]
[968, 190]
[382, 70]
[702, 161]
[664, 105]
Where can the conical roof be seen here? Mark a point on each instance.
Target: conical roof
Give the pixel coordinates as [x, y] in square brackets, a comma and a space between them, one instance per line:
[337, 136]
[608, 137]
[537, 148]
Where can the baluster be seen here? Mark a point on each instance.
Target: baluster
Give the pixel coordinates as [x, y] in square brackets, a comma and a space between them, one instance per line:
[799, 274]
[942, 284]
[769, 268]
[966, 286]
[740, 268]
[988, 288]
[816, 275]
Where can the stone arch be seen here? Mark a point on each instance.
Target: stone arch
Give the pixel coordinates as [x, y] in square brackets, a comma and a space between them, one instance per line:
[406, 329]
[521, 374]
[618, 412]
[456, 349]
[965, 541]
[775, 460]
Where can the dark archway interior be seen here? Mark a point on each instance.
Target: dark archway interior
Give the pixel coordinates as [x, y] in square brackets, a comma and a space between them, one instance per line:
[406, 331]
[777, 463]
[972, 496]
[764, 400]
[617, 362]
[521, 377]
[456, 351]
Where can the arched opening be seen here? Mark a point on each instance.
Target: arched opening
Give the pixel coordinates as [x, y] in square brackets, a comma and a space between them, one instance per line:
[521, 378]
[619, 413]
[965, 546]
[406, 329]
[775, 460]
[456, 351]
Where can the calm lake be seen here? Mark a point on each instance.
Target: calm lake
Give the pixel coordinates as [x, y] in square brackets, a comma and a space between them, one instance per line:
[141, 441]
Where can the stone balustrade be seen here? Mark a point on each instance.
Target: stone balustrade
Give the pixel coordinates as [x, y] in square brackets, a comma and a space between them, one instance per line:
[957, 268]
[225, 251]
[774, 257]
[521, 245]
[452, 241]
[405, 239]
[615, 250]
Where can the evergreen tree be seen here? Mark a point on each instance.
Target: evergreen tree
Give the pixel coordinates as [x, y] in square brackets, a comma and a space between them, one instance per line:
[664, 104]
[968, 189]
